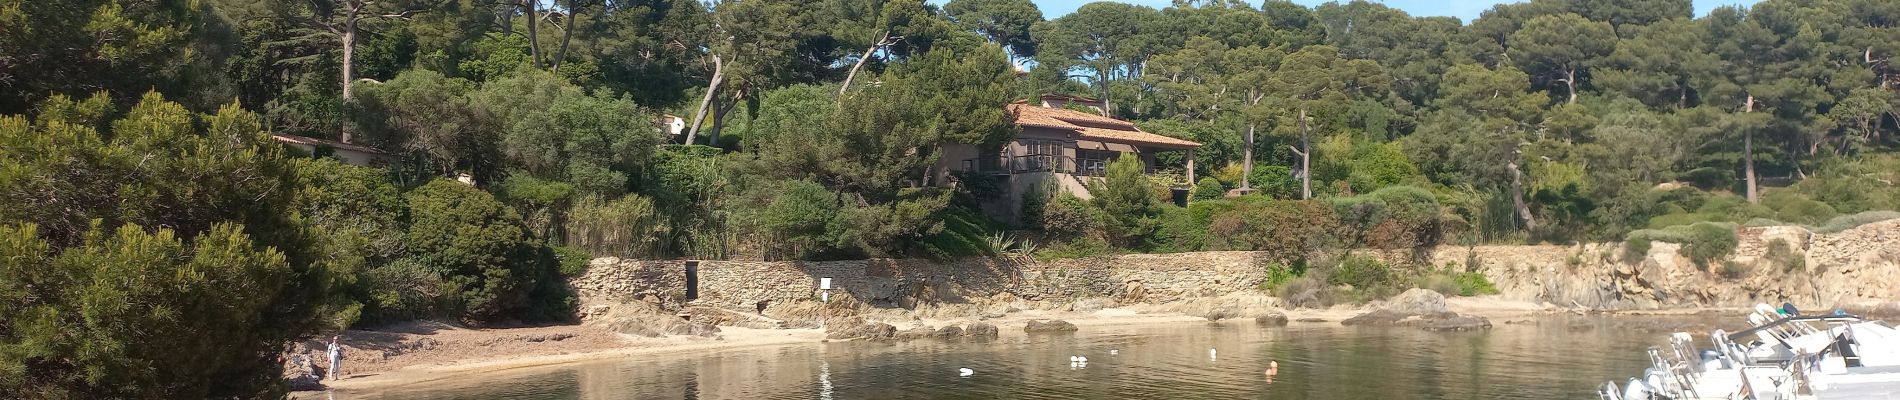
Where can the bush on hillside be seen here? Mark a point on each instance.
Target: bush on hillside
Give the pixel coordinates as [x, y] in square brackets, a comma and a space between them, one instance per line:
[1702, 242]
[1287, 230]
[1852, 221]
[1127, 202]
[1361, 272]
[1177, 232]
[1208, 189]
[488, 264]
[156, 256]
[1068, 218]
[1396, 217]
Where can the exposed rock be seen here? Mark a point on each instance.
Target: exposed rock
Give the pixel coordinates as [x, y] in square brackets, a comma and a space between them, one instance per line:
[979, 329]
[1310, 319]
[301, 370]
[872, 331]
[1376, 318]
[1274, 319]
[1437, 321]
[950, 331]
[700, 329]
[914, 333]
[1054, 325]
[1416, 302]
[1092, 304]
[1449, 321]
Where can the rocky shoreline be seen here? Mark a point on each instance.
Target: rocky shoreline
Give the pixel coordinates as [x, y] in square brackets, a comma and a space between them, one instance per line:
[418, 353]
[634, 307]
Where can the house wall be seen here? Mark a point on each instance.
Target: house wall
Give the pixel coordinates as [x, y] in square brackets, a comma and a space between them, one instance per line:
[951, 161]
[351, 157]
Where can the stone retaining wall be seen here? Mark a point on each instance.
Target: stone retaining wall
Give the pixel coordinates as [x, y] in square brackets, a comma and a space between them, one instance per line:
[1855, 265]
[904, 283]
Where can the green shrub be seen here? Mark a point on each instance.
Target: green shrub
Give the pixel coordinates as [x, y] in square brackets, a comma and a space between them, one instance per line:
[1733, 270]
[1635, 248]
[1287, 230]
[574, 261]
[1793, 207]
[1078, 248]
[1441, 283]
[1454, 283]
[1068, 218]
[1473, 284]
[1702, 242]
[1783, 254]
[1278, 275]
[1177, 232]
[1034, 204]
[488, 264]
[1304, 292]
[1127, 201]
[1851, 221]
[628, 227]
[1394, 217]
[166, 257]
[1360, 271]
[1208, 189]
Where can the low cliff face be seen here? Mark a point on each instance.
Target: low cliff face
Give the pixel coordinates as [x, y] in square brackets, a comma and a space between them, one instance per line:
[1857, 265]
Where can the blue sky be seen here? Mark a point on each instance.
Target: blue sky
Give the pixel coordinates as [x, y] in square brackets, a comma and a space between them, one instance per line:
[1465, 10]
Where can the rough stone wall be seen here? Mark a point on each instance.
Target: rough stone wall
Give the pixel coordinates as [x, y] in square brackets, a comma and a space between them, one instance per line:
[906, 283]
[1859, 264]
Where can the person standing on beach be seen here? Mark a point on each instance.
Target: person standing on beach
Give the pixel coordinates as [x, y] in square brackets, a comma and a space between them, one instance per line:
[336, 356]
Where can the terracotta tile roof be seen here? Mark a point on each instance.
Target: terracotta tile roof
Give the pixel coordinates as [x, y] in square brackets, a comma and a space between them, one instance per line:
[310, 141]
[1091, 126]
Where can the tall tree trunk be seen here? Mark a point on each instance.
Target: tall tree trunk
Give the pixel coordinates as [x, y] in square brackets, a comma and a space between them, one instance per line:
[1517, 192]
[573, 21]
[1570, 82]
[719, 117]
[349, 51]
[1682, 94]
[719, 75]
[534, 34]
[883, 39]
[1105, 106]
[1246, 163]
[1748, 153]
[349, 63]
[1306, 159]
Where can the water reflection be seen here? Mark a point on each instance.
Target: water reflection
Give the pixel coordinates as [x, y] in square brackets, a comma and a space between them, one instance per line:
[824, 380]
[1317, 361]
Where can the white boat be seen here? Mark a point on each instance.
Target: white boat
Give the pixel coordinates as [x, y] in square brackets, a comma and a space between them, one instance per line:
[1822, 357]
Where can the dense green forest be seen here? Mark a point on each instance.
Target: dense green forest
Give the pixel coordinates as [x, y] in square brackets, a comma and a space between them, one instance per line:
[155, 241]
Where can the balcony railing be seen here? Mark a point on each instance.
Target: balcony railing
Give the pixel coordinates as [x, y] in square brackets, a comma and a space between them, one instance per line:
[1036, 163]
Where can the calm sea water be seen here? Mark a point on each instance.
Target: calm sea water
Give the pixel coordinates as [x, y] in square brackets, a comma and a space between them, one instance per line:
[1563, 358]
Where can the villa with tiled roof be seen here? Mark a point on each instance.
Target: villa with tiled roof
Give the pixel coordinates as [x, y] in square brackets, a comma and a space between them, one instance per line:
[1060, 146]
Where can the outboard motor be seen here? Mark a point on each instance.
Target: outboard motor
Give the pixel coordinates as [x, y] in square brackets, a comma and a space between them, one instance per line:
[1609, 392]
[1712, 360]
[1636, 389]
